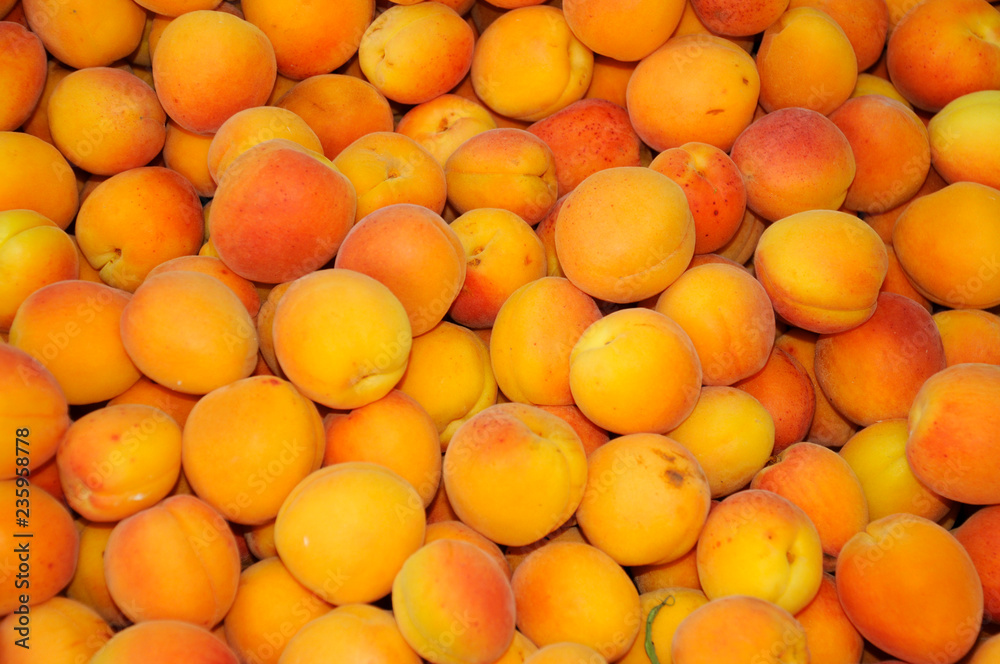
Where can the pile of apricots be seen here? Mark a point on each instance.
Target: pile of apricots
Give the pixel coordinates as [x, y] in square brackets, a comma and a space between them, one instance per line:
[523, 332]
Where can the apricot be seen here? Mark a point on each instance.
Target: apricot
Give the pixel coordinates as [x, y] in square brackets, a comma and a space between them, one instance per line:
[73, 329]
[86, 33]
[646, 500]
[118, 460]
[370, 346]
[440, 508]
[969, 335]
[22, 74]
[733, 345]
[885, 222]
[339, 108]
[794, 160]
[456, 530]
[444, 123]
[921, 571]
[530, 82]
[591, 435]
[783, 387]
[691, 24]
[736, 19]
[454, 604]
[209, 65]
[572, 591]
[830, 635]
[533, 335]
[51, 553]
[502, 254]
[730, 434]
[964, 59]
[877, 455]
[519, 651]
[253, 126]
[73, 633]
[280, 213]
[952, 444]
[711, 84]
[758, 543]
[866, 25]
[177, 7]
[501, 469]
[714, 189]
[269, 437]
[32, 400]
[567, 532]
[265, 327]
[805, 60]
[214, 267]
[766, 633]
[89, 585]
[986, 650]
[962, 136]
[633, 249]
[351, 632]
[504, 168]
[566, 652]
[964, 258]
[37, 123]
[187, 153]
[829, 427]
[34, 252]
[190, 353]
[672, 605]
[394, 54]
[137, 219]
[47, 478]
[807, 290]
[34, 175]
[741, 246]
[386, 168]
[679, 573]
[310, 40]
[824, 486]
[144, 391]
[978, 536]
[448, 373]
[873, 371]
[893, 161]
[425, 270]
[610, 80]
[394, 431]
[587, 136]
[165, 641]
[897, 282]
[106, 120]
[635, 371]
[870, 84]
[270, 608]
[345, 531]
[180, 538]
[626, 33]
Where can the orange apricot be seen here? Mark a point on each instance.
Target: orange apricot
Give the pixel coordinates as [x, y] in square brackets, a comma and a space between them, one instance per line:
[73, 328]
[106, 120]
[209, 65]
[310, 39]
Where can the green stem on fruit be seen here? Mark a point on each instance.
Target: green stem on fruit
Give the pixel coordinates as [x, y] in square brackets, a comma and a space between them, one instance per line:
[650, 648]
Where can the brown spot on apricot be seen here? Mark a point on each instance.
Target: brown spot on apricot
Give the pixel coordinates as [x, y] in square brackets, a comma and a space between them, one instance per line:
[669, 458]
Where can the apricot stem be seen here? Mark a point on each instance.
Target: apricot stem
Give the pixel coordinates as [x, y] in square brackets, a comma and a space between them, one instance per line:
[650, 648]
